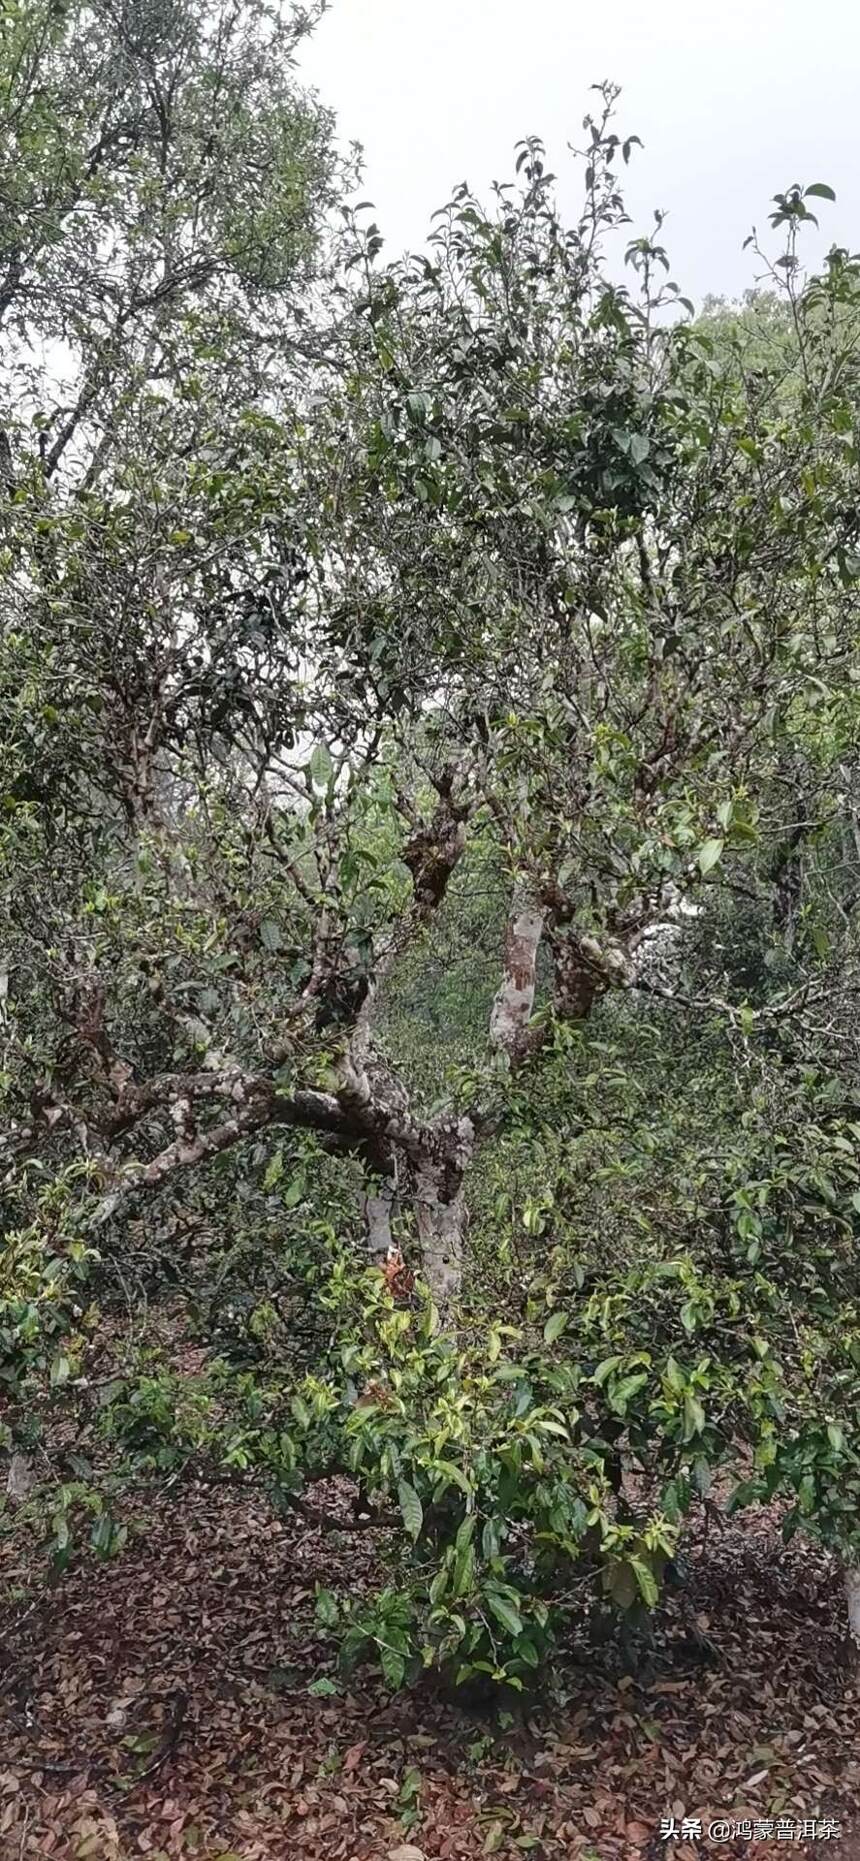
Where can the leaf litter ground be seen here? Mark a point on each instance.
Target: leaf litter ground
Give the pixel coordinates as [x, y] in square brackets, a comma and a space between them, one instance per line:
[159, 1705]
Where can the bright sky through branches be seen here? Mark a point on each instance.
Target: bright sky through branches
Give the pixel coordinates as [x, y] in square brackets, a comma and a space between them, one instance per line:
[731, 101]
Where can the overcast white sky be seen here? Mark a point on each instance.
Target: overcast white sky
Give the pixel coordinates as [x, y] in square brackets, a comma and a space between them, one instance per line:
[732, 101]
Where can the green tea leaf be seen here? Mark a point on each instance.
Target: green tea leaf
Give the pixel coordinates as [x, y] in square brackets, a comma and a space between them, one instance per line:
[505, 1612]
[708, 854]
[411, 1509]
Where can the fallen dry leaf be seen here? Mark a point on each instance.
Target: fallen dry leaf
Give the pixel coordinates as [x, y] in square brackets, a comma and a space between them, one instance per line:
[215, 1596]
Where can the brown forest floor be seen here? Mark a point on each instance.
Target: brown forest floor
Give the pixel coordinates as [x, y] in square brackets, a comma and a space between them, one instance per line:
[158, 1705]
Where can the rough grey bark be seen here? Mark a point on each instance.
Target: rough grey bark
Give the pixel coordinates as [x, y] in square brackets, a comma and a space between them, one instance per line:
[514, 1002]
[852, 1597]
[440, 1209]
[378, 1209]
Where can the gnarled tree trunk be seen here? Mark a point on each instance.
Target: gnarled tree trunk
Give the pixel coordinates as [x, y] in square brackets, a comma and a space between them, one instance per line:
[852, 1597]
[515, 996]
[440, 1209]
[378, 1207]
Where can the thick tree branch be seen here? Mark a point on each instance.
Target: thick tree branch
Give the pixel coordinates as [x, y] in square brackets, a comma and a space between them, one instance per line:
[514, 1001]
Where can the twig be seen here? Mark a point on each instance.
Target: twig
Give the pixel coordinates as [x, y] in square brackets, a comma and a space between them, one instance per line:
[328, 1521]
[171, 1737]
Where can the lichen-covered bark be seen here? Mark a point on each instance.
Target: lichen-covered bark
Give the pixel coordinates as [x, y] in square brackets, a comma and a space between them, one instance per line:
[583, 970]
[440, 1209]
[852, 1597]
[514, 1001]
[441, 1231]
[378, 1208]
